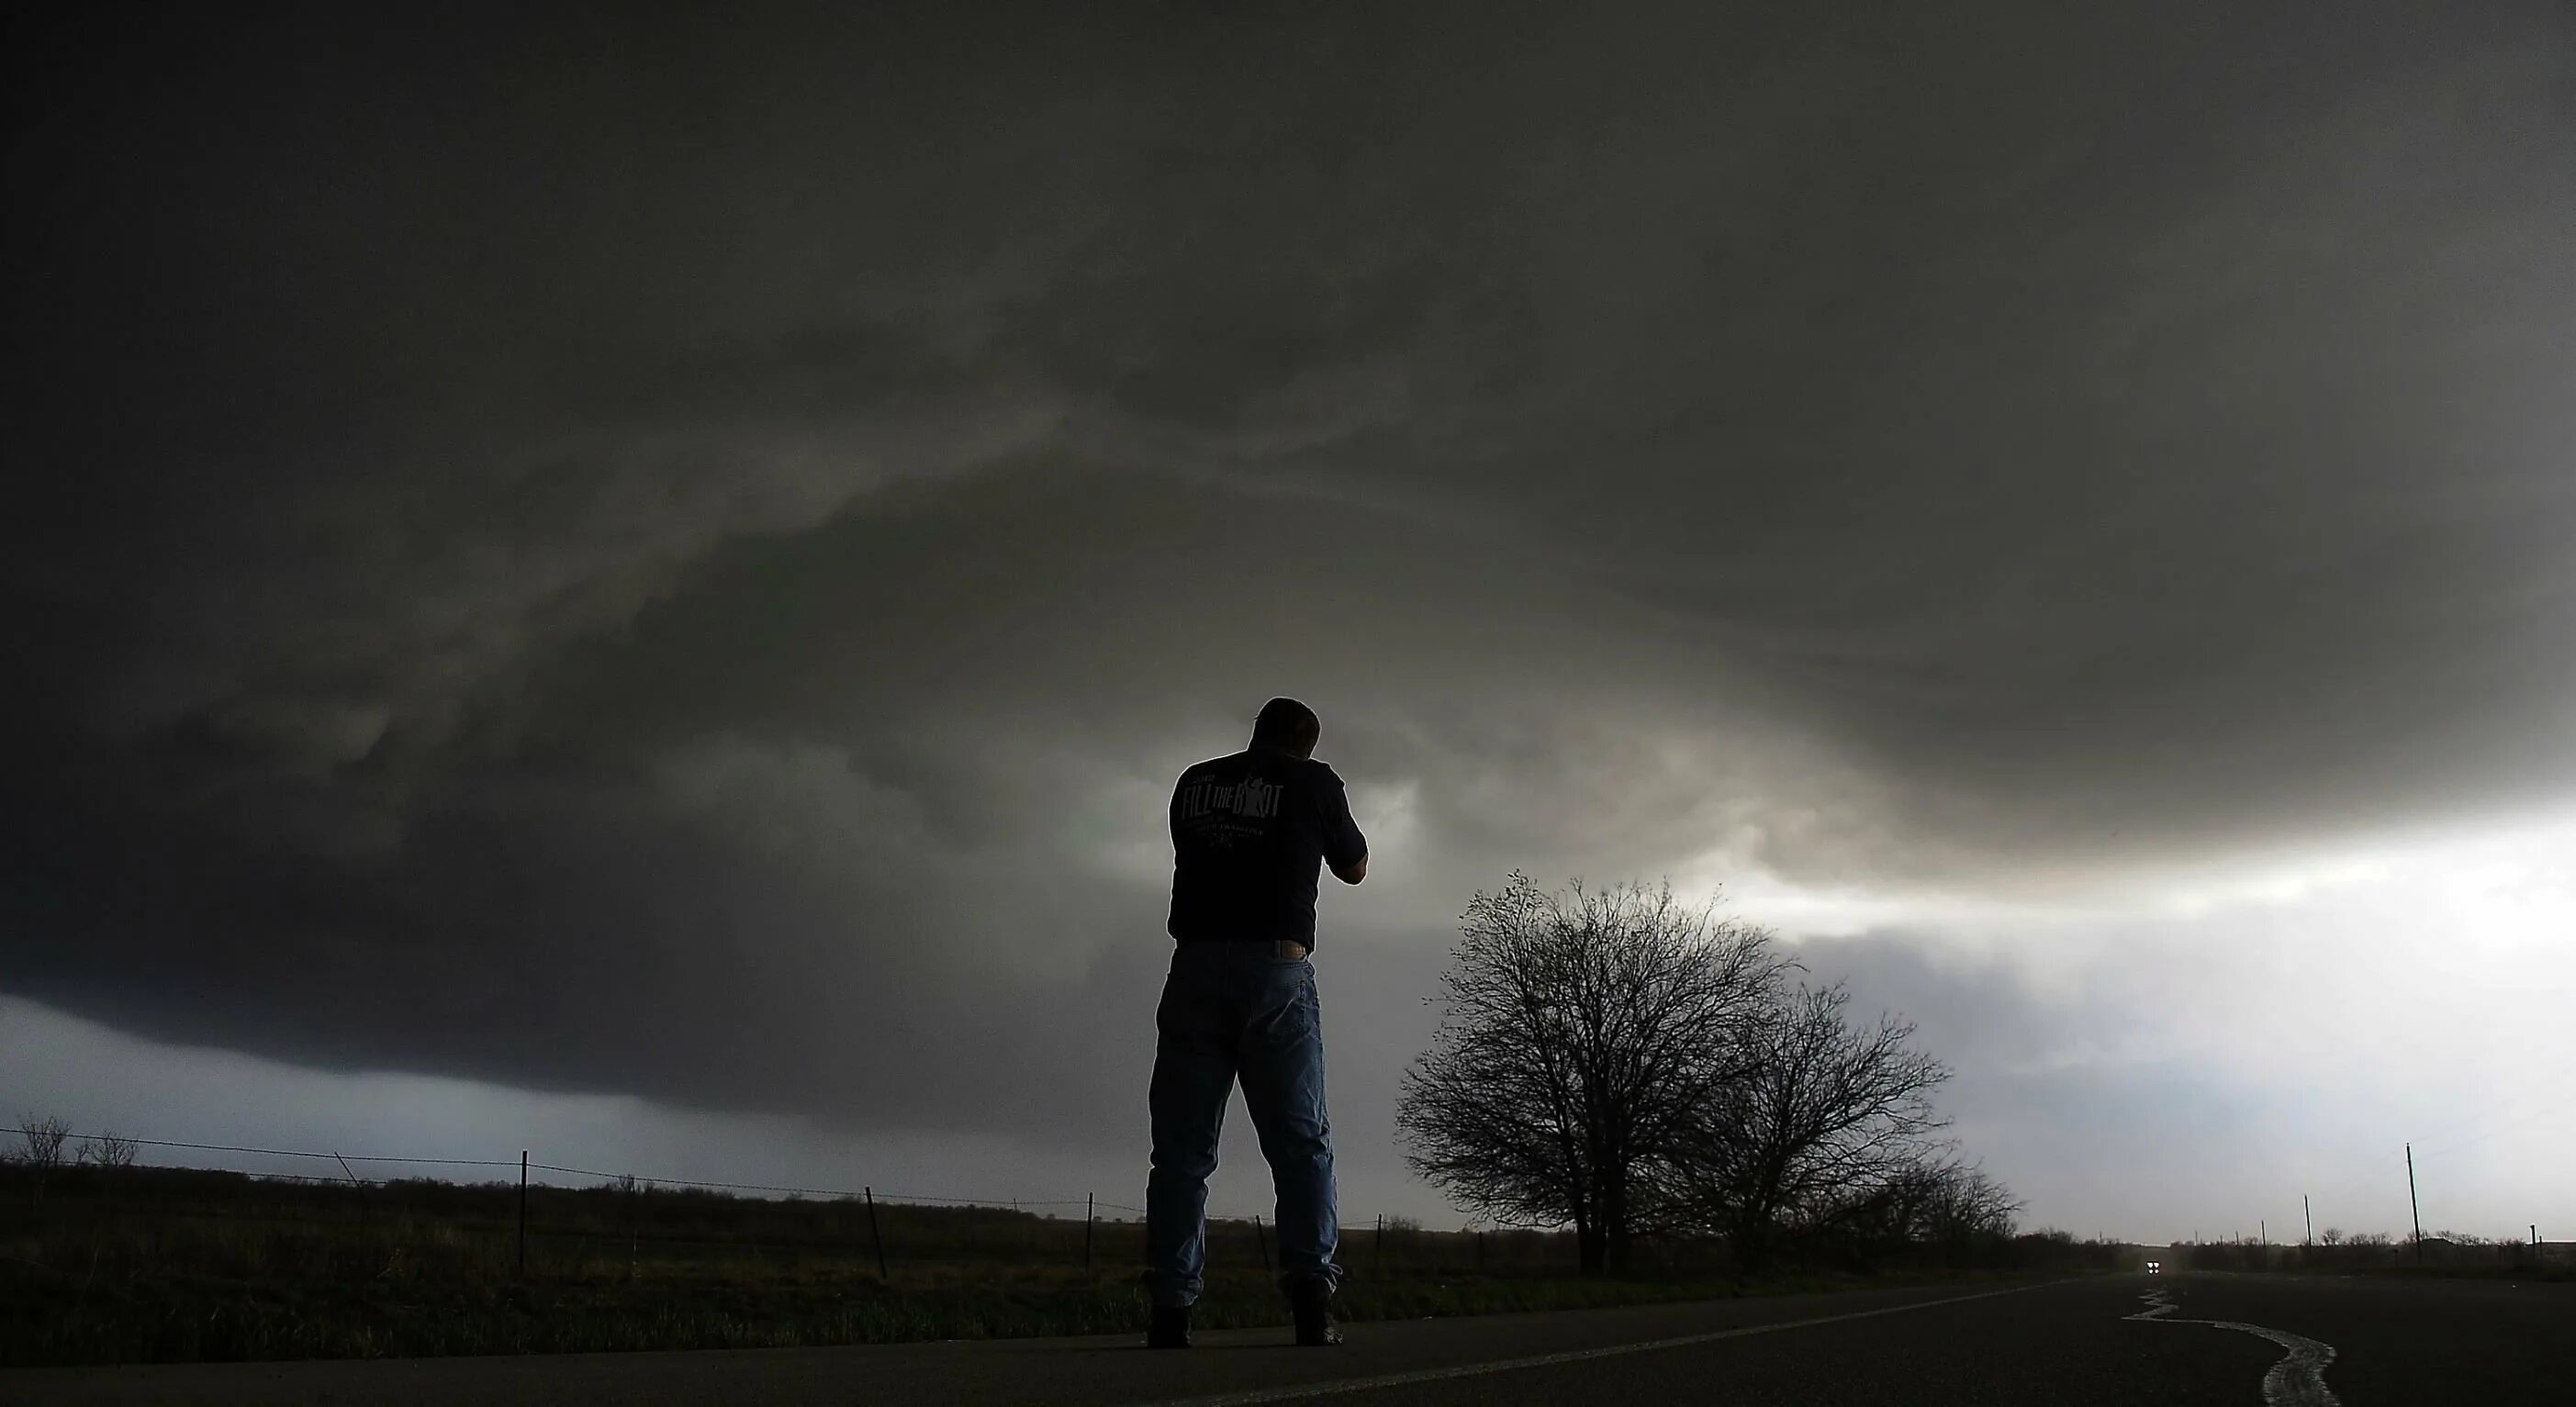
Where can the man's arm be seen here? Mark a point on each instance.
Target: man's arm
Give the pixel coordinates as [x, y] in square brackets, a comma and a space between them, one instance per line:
[1345, 849]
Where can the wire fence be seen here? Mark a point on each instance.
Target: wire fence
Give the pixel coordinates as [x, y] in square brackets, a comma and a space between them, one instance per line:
[522, 1216]
[654, 1180]
[96, 1140]
[660, 1180]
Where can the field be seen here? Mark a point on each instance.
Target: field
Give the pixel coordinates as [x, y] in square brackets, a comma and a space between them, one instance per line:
[2448, 1256]
[147, 1264]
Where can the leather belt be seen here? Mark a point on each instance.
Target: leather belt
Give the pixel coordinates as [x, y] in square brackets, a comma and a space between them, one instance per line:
[1290, 948]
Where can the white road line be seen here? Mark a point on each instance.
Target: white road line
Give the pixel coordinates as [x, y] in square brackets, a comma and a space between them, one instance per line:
[2298, 1380]
[1579, 1355]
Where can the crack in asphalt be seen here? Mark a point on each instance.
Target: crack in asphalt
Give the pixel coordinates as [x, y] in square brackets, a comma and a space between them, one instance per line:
[2298, 1380]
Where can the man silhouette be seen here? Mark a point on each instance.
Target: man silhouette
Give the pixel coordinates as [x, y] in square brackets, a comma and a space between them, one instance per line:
[1249, 832]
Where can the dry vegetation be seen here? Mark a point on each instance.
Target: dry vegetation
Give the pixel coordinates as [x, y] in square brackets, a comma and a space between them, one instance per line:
[2451, 1254]
[142, 1264]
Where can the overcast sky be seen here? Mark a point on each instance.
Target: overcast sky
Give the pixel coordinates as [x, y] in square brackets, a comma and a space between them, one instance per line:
[635, 589]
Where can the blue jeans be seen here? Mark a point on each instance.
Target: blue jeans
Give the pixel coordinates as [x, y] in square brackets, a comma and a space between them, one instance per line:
[1238, 1010]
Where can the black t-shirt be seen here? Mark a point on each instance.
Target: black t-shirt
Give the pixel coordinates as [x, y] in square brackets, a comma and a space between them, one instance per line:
[1249, 833]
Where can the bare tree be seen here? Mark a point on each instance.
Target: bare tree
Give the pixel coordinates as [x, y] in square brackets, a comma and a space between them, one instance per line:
[1581, 1033]
[1967, 1204]
[1935, 1201]
[45, 1138]
[108, 1150]
[1831, 1119]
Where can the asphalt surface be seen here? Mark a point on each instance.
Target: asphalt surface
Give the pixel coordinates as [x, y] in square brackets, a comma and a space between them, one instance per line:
[2214, 1339]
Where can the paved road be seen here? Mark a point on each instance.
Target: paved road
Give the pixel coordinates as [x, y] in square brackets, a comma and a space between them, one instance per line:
[2289, 1341]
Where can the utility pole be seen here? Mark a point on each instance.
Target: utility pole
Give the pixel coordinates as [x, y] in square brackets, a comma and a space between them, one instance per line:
[875, 1236]
[2311, 1218]
[2414, 1206]
[523, 1213]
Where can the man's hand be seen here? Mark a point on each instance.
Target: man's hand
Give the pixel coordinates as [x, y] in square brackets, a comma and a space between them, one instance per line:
[1356, 871]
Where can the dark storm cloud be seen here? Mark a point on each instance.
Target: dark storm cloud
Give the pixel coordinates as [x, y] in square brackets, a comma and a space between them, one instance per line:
[680, 558]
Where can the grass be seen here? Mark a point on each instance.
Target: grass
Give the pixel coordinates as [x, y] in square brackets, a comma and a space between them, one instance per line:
[2556, 1272]
[189, 1318]
[2454, 1259]
[164, 1265]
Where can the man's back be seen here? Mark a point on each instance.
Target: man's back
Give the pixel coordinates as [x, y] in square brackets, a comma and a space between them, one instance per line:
[1250, 830]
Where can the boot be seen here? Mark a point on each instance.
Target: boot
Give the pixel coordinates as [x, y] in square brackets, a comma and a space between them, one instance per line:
[1312, 1302]
[1171, 1327]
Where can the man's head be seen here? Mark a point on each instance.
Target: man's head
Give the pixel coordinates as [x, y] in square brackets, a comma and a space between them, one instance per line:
[1287, 725]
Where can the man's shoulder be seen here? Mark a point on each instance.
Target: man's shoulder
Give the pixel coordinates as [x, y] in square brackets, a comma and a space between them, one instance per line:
[1230, 762]
[1312, 771]
[1321, 773]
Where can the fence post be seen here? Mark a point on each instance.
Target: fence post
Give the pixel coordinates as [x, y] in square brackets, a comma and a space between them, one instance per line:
[523, 1213]
[2415, 1207]
[364, 1209]
[875, 1237]
[1090, 1212]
